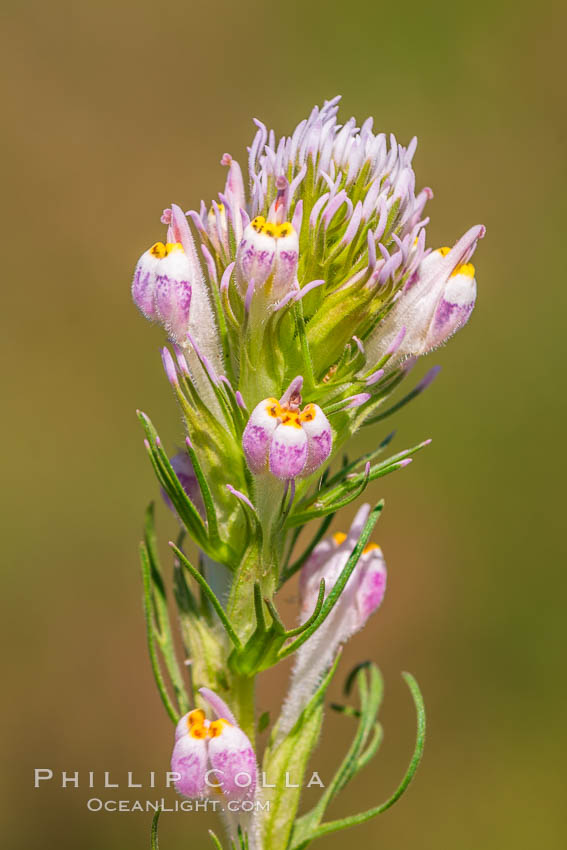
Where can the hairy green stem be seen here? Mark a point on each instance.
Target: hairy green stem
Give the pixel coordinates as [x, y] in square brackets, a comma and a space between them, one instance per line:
[243, 700]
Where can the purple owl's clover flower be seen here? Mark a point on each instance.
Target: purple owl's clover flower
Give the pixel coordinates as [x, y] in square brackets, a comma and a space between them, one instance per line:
[285, 440]
[363, 594]
[435, 303]
[268, 253]
[213, 755]
[169, 288]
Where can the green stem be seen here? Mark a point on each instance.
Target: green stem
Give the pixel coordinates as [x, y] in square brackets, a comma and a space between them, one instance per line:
[242, 694]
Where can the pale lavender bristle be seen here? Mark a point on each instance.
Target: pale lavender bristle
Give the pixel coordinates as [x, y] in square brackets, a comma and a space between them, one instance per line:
[225, 280]
[357, 400]
[359, 344]
[397, 342]
[428, 379]
[374, 378]
[169, 367]
[242, 496]
[308, 288]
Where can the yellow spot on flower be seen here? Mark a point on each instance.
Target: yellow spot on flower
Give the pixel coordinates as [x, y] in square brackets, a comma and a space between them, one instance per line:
[158, 250]
[309, 413]
[290, 417]
[339, 537]
[370, 547]
[217, 726]
[273, 407]
[467, 269]
[285, 229]
[258, 223]
[444, 251]
[195, 718]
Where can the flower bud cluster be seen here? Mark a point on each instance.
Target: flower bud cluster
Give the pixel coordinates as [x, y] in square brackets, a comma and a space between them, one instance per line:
[320, 268]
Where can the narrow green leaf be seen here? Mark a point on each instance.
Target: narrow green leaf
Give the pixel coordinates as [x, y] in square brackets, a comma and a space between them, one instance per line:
[290, 570]
[148, 615]
[343, 823]
[210, 510]
[209, 594]
[373, 747]
[370, 691]
[417, 390]
[316, 611]
[215, 840]
[347, 467]
[308, 375]
[154, 833]
[352, 482]
[159, 597]
[324, 509]
[171, 484]
[291, 756]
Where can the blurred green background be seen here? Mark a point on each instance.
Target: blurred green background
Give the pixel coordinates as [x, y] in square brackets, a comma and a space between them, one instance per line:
[111, 111]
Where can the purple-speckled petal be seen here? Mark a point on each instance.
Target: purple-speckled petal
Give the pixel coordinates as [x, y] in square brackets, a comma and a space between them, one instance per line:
[371, 576]
[285, 265]
[189, 761]
[254, 258]
[232, 757]
[288, 451]
[258, 434]
[173, 294]
[319, 437]
[143, 285]
[454, 308]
